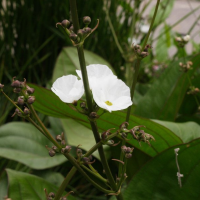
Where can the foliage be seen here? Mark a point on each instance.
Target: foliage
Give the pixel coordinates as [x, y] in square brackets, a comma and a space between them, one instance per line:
[38, 51]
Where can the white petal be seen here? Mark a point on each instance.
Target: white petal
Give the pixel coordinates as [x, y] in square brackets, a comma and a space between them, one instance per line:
[144, 28]
[68, 88]
[113, 90]
[96, 73]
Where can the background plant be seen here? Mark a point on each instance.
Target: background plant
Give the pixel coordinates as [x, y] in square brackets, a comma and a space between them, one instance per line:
[186, 107]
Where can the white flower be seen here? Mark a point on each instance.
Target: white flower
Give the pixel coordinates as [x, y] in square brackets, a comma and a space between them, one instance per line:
[134, 41]
[96, 72]
[186, 38]
[68, 88]
[112, 94]
[144, 28]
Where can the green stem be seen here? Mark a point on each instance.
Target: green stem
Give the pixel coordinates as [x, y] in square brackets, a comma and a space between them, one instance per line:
[151, 26]
[12, 101]
[122, 178]
[65, 183]
[112, 29]
[48, 135]
[34, 124]
[95, 174]
[78, 167]
[136, 72]
[88, 95]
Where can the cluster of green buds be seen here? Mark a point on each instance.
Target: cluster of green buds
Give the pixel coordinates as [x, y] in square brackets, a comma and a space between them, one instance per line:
[186, 67]
[182, 41]
[193, 90]
[79, 36]
[136, 132]
[139, 52]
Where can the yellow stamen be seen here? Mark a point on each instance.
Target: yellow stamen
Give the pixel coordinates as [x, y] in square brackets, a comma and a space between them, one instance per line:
[108, 103]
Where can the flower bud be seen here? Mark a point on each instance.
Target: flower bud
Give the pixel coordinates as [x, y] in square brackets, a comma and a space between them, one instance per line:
[55, 149]
[26, 111]
[20, 100]
[18, 112]
[73, 36]
[58, 138]
[86, 20]
[51, 194]
[30, 90]
[81, 33]
[144, 54]
[129, 150]
[52, 152]
[16, 84]
[66, 149]
[85, 160]
[94, 115]
[1, 86]
[79, 152]
[83, 105]
[123, 148]
[71, 28]
[110, 142]
[87, 30]
[65, 23]
[128, 155]
[186, 38]
[63, 143]
[31, 99]
[17, 90]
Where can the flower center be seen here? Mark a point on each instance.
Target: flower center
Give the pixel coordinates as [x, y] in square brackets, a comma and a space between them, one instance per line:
[108, 103]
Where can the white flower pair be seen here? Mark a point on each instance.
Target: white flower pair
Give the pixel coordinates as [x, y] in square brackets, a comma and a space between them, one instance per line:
[108, 91]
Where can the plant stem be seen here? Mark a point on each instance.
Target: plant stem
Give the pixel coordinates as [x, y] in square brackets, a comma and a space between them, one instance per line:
[43, 127]
[112, 29]
[78, 167]
[136, 72]
[151, 26]
[65, 183]
[88, 95]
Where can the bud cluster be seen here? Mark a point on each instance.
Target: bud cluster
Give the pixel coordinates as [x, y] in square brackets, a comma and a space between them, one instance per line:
[182, 41]
[140, 135]
[81, 34]
[127, 151]
[186, 67]
[138, 51]
[193, 90]
[61, 140]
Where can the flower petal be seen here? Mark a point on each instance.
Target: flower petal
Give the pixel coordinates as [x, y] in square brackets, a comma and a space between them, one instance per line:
[68, 88]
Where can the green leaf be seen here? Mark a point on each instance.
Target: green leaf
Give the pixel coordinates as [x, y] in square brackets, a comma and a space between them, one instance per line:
[50, 104]
[186, 131]
[158, 180]
[22, 142]
[24, 186]
[77, 134]
[68, 62]
[4, 185]
[162, 49]
[165, 97]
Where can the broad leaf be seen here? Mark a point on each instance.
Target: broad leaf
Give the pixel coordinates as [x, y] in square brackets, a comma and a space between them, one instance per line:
[186, 131]
[158, 178]
[22, 142]
[24, 186]
[164, 98]
[77, 134]
[50, 104]
[68, 62]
